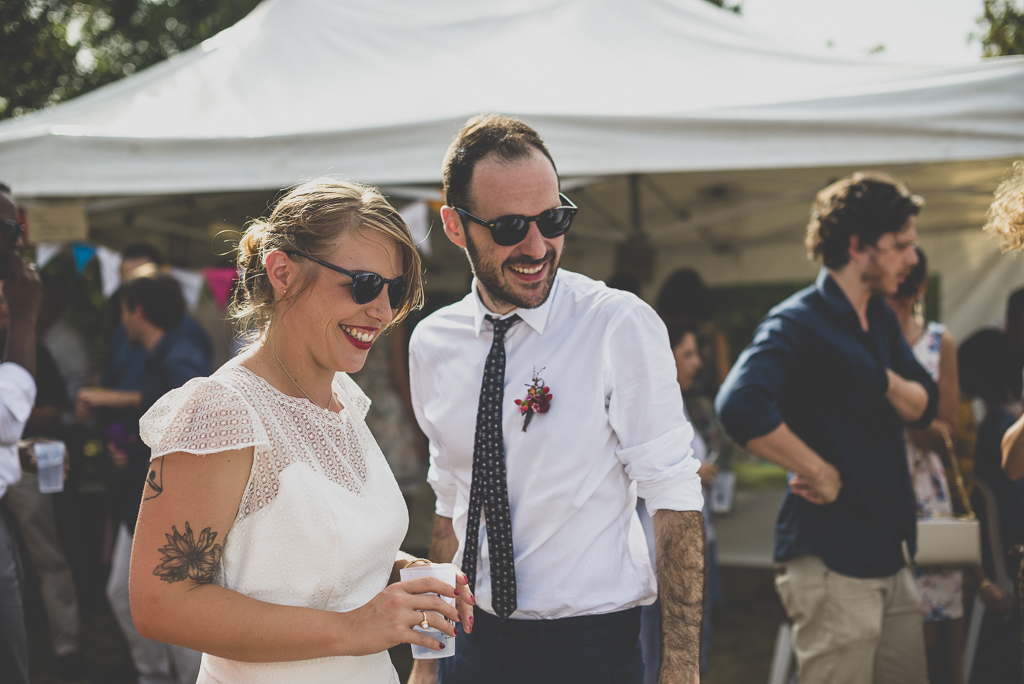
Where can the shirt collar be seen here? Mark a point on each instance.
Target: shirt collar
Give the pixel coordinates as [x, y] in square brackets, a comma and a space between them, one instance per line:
[535, 318]
[836, 301]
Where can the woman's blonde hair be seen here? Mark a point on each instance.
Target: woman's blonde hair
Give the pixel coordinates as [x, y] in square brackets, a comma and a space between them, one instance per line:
[310, 218]
[1006, 215]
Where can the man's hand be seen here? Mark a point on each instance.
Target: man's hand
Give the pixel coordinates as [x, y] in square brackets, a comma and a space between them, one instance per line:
[815, 480]
[94, 397]
[820, 488]
[707, 473]
[679, 537]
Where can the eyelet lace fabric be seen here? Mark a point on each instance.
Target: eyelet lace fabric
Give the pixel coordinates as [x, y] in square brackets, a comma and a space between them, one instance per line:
[236, 409]
[321, 518]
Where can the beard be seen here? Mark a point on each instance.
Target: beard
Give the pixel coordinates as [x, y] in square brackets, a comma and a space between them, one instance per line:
[874, 277]
[492, 278]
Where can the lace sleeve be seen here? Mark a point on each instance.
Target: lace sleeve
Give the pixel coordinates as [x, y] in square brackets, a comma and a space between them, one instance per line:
[201, 417]
[353, 395]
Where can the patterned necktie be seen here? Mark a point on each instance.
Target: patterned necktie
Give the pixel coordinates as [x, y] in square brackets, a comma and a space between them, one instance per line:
[489, 489]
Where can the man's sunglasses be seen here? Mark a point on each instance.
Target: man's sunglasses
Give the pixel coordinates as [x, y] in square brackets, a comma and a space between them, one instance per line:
[511, 229]
[11, 229]
[366, 286]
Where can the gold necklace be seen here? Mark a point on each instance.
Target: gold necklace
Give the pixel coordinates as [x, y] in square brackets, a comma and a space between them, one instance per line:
[329, 401]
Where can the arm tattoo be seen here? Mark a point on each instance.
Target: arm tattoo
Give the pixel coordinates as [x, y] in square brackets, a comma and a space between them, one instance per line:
[156, 482]
[680, 541]
[185, 557]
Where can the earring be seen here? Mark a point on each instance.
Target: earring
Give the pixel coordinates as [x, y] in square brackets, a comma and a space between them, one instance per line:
[286, 292]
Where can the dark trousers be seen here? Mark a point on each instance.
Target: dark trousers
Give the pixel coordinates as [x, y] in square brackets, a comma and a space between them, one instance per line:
[13, 644]
[592, 649]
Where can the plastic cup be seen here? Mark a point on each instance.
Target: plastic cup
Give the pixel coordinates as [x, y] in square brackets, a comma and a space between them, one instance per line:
[445, 573]
[50, 459]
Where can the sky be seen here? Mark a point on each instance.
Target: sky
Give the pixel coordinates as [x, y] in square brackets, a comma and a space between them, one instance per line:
[911, 30]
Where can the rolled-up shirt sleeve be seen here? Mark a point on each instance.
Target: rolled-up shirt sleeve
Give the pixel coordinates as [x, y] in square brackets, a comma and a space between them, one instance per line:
[747, 403]
[439, 476]
[905, 364]
[17, 396]
[645, 409]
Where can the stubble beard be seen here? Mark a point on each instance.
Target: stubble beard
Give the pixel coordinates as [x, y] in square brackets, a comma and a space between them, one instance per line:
[874, 278]
[490, 277]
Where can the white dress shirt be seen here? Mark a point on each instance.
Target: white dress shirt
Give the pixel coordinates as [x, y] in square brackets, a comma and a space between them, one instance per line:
[615, 428]
[17, 396]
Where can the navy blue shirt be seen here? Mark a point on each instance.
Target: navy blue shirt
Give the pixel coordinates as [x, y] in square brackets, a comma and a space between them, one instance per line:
[126, 367]
[812, 366]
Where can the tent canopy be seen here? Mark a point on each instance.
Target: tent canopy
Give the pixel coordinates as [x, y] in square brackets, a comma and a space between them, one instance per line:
[374, 91]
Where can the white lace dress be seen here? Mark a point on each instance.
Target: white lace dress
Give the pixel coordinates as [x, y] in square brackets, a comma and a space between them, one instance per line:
[321, 518]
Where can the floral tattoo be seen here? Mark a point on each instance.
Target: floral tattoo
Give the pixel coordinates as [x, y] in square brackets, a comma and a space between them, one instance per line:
[185, 557]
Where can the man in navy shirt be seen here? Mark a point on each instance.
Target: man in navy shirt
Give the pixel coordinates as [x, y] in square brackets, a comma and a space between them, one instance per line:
[825, 390]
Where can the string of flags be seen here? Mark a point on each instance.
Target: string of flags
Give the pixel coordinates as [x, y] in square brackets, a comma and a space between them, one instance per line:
[218, 280]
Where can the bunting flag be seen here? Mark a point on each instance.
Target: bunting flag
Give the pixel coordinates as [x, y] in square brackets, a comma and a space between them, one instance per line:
[416, 216]
[219, 280]
[45, 251]
[83, 254]
[110, 269]
[191, 286]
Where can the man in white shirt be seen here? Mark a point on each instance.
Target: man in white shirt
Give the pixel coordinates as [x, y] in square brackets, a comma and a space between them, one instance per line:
[17, 395]
[551, 477]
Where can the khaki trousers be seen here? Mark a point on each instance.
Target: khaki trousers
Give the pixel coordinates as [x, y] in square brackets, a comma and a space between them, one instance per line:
[853, 631]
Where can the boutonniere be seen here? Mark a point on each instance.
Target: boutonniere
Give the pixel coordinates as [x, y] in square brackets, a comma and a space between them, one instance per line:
[537, 399]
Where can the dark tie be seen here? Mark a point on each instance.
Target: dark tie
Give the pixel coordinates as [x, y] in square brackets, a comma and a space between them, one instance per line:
[489, 490]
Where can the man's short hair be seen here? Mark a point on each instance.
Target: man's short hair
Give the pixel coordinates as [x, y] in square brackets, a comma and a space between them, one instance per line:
[143, 250]
[990, 364]
[5, 188]
[159, 295]
[867, 205]
[684, 295]
[1006, 215]
[485, 134]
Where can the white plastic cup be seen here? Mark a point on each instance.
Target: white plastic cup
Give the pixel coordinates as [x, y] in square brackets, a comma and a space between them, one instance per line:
[445, 573]
[50, 459]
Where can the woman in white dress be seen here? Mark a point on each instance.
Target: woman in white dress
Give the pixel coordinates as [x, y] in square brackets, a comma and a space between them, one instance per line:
[269, 534]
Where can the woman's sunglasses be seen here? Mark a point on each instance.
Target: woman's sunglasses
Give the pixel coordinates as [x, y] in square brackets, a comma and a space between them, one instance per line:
[511, 229]
[366, 286]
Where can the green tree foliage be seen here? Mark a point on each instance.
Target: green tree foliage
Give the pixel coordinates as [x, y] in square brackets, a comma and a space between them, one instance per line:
[53, 50]
[1003, 26]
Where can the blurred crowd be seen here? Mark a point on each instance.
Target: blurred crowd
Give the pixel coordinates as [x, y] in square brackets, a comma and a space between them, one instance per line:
[72, 539]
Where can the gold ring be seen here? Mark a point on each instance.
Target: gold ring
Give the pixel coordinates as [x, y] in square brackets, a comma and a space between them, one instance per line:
[424, 624]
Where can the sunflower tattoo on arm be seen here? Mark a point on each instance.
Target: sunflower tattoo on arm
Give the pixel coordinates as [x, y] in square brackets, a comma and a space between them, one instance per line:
[186, 557]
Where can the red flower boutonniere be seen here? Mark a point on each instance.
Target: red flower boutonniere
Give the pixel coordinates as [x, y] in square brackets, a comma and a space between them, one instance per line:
[537, 399]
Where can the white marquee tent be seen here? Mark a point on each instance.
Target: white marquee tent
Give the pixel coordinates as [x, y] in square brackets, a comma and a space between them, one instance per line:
[673, 123]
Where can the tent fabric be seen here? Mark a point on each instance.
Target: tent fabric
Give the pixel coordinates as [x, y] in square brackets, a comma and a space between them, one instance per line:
[375, 91]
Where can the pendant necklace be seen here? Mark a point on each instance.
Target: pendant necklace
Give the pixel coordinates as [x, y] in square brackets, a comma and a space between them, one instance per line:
[329, 401]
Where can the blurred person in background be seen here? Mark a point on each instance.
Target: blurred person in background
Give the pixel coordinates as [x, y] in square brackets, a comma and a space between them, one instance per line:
[65, 344]
[684, 296]
[1015, 316]
[941, 589]
[151, 307]
[127, 360]
[23, 292]
[991, 363]
[706, 445]
[1006, 222]
[825, 390]
[34, 510]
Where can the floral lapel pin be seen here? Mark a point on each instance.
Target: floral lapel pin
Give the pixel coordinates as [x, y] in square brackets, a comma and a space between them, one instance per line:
[537, 399]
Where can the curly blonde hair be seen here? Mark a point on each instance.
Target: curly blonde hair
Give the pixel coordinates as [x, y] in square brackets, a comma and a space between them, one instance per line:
[309, 218]
[1006, 215]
